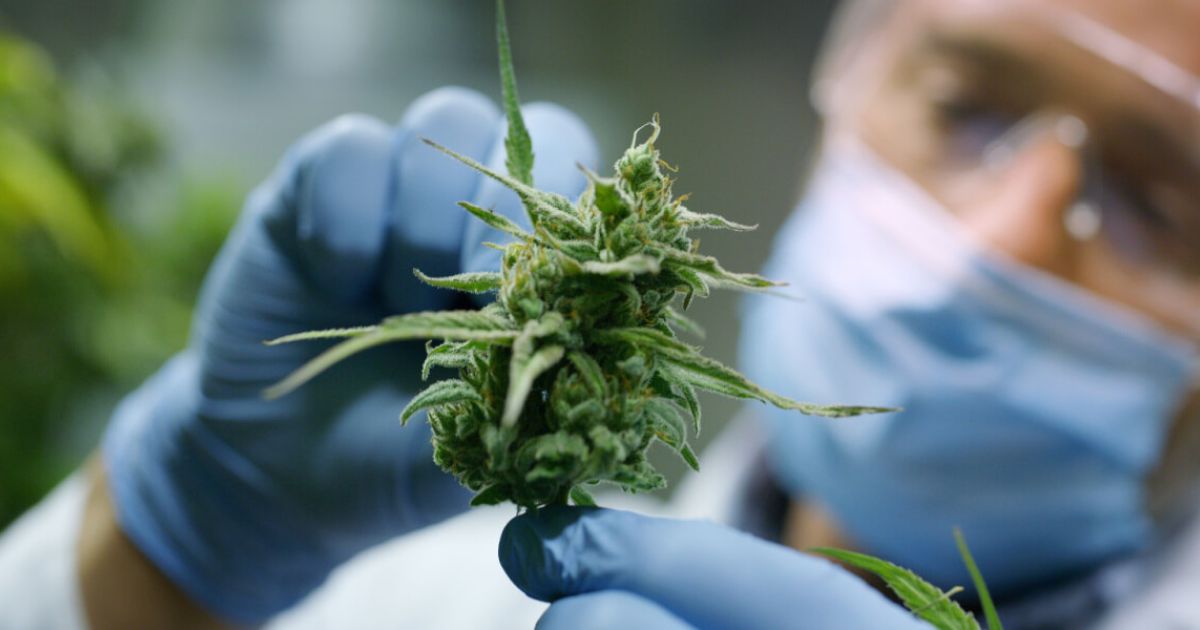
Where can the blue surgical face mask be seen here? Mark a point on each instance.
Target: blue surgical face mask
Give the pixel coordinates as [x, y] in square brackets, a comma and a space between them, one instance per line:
[1032, 410]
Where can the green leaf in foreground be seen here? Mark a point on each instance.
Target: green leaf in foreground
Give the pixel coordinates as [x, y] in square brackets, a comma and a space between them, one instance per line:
[985, 598]
[922, 598]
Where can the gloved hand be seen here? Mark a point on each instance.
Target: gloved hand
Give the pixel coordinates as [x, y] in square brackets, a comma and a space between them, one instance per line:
[248, 504]
[612, 569]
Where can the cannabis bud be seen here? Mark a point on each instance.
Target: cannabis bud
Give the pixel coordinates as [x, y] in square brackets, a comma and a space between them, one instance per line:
[569, 376]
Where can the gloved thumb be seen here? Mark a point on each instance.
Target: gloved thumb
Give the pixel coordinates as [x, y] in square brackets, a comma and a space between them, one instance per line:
[707, 575]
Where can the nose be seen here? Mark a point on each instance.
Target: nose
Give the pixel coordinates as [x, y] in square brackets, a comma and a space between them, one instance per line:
[1019, 208]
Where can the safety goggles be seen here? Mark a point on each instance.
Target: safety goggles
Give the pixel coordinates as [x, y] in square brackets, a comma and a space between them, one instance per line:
[973, 83]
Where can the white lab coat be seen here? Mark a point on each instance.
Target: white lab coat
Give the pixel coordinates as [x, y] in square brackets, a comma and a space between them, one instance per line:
[447, 576]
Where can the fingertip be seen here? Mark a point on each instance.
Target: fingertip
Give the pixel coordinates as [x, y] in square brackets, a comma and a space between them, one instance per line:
[425, 227]
[532, 551]
[339, 191]
[450, 105]
[561, 139]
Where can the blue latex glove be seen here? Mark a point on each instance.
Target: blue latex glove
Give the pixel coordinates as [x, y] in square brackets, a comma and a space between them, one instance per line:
[611, 569]
[248, 504]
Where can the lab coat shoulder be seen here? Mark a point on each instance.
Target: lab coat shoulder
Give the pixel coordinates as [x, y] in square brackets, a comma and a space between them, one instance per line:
[37, 563]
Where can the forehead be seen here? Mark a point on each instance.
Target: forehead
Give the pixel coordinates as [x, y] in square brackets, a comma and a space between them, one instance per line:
[1169, 28]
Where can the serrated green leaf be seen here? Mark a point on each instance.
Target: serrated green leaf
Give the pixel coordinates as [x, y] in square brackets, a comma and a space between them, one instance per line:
[325, 360]
[566, 224]
[683, 322]
[521, 188]
[451, 390]
[542, 206]
[688, 393]
[491, 495]
[641, 477]
[495, 220]
[981, 589]
[689, 457]
[474, 282]
[448, 355]
[685, 363]
[711, 221]
[577, 249]
[588, 410]
[582, 497]
[451, 325]
[922, 598]
[668, 424]
[696, 284]
[607, 196]
[589, 369]
[518, 146]
[331, 333]
[679, 260]
[648, 339]
[483, 325]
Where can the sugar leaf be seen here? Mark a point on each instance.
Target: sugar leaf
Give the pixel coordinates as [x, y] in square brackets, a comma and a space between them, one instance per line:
[496, 220]
[440, 393]
[474, 282]
[711, 221]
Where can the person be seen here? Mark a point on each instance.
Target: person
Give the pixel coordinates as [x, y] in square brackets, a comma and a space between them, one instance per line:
[996, 237]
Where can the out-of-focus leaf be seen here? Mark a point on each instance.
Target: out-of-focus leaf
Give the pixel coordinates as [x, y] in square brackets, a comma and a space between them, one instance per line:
[924, 599]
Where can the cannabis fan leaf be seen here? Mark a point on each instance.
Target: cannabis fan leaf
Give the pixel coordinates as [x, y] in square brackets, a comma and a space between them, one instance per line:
[575, 369]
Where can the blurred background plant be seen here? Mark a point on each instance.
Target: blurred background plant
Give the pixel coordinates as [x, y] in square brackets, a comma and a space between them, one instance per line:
[95, 293]
[130, 130]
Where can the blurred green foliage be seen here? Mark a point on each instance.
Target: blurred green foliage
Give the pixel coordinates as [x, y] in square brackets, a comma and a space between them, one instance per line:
[97, 278]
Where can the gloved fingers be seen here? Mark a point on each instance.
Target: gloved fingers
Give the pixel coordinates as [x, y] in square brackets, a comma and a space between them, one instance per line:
[356, 204]
[425, 226]
[313, 245]
[561, 142]
[605, 610]
[707, 575]
[326, 204]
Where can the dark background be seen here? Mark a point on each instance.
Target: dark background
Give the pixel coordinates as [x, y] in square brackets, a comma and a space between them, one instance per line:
[218, 89]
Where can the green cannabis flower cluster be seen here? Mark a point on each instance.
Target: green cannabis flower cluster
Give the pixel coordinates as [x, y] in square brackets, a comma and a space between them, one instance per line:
[569, 376]
[576, 369]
